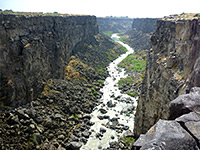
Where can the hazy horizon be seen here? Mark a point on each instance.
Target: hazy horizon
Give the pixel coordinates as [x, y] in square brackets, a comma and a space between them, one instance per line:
[130, 8]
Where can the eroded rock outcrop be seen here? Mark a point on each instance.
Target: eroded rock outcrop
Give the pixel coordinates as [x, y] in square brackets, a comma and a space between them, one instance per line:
[166, 135]
[59, 116]
[181, 133]
[172, 69]
[139, 36]
[36, 48]
[114, 25]
[146, 25]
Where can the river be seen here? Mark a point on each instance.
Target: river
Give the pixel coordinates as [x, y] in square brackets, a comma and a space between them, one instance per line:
[115, 115]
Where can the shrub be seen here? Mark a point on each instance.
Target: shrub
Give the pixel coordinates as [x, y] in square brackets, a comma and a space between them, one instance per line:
[197, 15]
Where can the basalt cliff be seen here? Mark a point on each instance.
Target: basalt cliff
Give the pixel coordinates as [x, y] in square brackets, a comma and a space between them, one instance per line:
[51, 70]
[139, 35]
[34, 49]
[114, 25]
[172, 70]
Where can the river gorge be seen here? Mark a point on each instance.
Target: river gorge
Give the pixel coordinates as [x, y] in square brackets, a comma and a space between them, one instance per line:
[61, 89]
[115, 114]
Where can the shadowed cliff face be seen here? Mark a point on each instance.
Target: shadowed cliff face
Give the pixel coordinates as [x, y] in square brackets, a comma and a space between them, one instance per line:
[146, 25]
[172, 69]
[33, 49]
[142, 29]
[114, 25]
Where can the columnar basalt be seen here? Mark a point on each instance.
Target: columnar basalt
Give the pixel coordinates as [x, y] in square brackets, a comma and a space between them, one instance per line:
[172, 69]
[36, 48]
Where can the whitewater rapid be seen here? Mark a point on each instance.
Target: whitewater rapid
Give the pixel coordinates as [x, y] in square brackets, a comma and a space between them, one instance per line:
[123, 110]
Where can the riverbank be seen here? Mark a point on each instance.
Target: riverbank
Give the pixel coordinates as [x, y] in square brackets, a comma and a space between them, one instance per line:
[60, 116]
[113, 117]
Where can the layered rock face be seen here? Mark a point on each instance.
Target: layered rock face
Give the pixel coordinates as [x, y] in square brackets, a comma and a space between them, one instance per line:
[172, 69]
[36, 48]
[115, 25]
[139, 36]
[146, 25]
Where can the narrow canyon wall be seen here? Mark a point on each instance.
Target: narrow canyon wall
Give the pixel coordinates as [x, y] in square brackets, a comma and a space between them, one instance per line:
[115, 25]
[172, 69]
[36, 48]
[146, 25]
[138, 36]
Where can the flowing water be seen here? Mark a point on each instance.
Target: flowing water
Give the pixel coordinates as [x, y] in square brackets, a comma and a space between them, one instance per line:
[115, 114]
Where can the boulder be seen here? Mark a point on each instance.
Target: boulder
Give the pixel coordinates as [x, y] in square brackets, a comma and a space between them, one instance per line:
[86, 134]
[110, 104]
[166, 135]
[185, 103]
[191, 122]
[102, 130]
[74, 146]
[103, 111]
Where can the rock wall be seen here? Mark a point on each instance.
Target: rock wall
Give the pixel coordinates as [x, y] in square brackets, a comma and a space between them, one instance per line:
[146, 25]
[36, 48]
[138, 36]
[182, 131]
[114, 25]
[172, 69]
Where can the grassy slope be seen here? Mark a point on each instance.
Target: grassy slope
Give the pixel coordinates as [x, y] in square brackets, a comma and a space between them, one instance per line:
[135, 65]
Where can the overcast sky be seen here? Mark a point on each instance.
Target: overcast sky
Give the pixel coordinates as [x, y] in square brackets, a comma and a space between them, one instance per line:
[131, 8]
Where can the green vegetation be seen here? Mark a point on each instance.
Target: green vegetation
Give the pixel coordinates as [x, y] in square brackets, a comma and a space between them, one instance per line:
[34, 13]
[121, 38]
[128, 141]
[101, 69]
[128, 114]
[110, 57]
[112, 54]
[100, 82]
[94, 91]
[123, 49]
[133, 63]
[127, 80]
[185, 16]
[133, 94]
[197, 15]
[75, 116]
[108, 33]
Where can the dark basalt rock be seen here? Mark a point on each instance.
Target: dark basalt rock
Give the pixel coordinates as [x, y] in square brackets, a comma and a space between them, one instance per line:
[166, 135]
[103, 111]
[172, 69]
[182, 133]
[110, 104]
[74, 146]
[191, 122]
[185, 103]
[36, 48]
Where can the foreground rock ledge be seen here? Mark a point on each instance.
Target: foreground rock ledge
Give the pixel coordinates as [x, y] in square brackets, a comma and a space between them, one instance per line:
[182, 133]
[167, 135]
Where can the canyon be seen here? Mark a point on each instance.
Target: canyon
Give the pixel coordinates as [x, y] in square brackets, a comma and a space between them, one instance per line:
[36, 48]
[52, 69]
[172, 70]
[54, 73]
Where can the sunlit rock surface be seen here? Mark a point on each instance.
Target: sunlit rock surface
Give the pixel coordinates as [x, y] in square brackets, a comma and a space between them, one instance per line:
[181, 133]
[172, 69]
